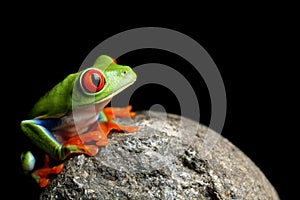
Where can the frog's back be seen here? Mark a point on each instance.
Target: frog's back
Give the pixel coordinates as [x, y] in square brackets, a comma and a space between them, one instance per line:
[57, 101]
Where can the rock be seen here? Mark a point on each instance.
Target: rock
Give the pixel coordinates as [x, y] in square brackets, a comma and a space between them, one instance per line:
[170, 157]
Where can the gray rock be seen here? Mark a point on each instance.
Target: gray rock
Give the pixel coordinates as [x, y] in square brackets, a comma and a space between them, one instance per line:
[170, 157]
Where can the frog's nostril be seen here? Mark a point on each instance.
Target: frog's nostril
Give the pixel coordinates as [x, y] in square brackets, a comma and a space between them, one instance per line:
[124, 72]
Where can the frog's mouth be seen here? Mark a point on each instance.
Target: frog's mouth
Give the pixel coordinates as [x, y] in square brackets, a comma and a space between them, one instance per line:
[98, 106]
[109, 97]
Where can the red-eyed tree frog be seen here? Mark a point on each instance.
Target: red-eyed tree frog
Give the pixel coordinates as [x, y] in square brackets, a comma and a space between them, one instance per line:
[72, 118]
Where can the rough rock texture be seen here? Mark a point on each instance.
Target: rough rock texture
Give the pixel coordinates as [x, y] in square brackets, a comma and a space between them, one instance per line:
[170, 157]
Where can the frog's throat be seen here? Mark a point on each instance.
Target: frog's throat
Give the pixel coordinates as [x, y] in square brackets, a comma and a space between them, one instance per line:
[79, 121]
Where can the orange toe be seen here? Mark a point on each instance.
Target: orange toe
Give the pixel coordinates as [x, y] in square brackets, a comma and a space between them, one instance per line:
[44, 182]
[91, 150]
[125, 112]
[102, 143]
[41, 175]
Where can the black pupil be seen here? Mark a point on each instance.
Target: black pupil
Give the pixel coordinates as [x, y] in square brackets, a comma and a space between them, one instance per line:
[96, 80]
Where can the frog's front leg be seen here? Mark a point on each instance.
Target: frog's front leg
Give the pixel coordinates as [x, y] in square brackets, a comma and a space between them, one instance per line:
[106, 124]
[110, 112]
[97, 135]
[38, 132]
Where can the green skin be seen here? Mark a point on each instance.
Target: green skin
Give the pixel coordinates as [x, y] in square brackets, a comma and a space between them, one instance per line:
[67, 98]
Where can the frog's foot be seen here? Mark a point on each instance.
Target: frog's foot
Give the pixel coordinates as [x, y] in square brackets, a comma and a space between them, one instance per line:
[89, 142]
[80, 144]
[125, 112]
[41, 175]
[106, 127]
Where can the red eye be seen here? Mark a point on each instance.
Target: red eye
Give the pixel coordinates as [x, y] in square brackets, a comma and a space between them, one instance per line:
[92, 80]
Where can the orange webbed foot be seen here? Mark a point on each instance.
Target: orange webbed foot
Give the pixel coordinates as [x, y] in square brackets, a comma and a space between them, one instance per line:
[80, 144]
[125, 112]
[106, 127]
[42, 175]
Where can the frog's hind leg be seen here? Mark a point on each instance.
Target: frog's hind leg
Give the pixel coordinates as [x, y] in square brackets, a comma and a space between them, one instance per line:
[44, 140]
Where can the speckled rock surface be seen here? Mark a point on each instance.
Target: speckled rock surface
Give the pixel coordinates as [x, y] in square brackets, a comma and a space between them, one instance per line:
[170, 157]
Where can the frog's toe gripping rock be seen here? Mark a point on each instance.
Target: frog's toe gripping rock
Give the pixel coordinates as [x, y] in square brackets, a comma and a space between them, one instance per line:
[42, 175]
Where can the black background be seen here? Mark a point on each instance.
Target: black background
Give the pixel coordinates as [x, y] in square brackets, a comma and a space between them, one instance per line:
[249, 53]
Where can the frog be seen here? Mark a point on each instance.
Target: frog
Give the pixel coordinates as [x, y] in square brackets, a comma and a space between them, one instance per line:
[73, 117]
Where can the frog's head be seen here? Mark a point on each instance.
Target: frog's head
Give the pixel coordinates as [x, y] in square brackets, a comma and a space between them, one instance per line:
[99, 83]
[94, 85]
